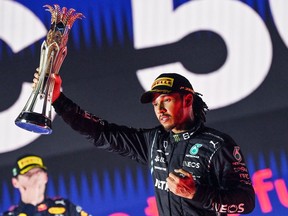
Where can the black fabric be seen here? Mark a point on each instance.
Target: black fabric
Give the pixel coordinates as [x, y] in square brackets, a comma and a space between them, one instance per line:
[213, 158]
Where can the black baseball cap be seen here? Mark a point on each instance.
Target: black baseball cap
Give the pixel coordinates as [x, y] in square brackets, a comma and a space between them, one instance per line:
[167, 83]
[26, 163]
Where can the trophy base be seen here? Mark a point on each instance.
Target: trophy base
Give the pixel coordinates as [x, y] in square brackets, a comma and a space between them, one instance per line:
[34, 122]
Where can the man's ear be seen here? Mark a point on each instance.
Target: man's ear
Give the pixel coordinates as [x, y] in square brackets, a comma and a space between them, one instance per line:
[15, 182]
[188, 100]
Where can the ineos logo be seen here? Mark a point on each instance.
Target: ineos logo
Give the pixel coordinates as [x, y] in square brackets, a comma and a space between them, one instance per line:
[191, 164]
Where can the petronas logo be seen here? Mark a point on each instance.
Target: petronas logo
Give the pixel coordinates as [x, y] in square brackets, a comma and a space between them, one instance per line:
[195, 148]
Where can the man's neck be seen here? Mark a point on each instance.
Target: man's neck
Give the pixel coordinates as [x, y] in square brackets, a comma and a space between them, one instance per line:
[185, 126]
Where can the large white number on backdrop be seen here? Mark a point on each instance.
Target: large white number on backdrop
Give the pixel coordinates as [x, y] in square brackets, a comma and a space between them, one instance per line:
[14, 137]
[19, 26]
[280, 15]
[244, 32]
[19, 29]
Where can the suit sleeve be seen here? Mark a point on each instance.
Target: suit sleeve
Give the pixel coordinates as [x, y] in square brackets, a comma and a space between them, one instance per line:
[123, 140]
[235, 193]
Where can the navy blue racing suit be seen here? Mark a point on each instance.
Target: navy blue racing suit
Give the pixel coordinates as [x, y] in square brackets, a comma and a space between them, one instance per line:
[50, 206]
[215, 161]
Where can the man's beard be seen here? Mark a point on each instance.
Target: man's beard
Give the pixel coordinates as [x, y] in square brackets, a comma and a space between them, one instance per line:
[169, 127]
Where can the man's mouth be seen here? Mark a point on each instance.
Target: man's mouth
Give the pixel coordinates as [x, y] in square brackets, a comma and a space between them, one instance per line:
[164, 118]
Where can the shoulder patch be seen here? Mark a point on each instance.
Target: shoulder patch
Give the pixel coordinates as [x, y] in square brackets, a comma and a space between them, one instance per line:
[237, 154]
[56, 210]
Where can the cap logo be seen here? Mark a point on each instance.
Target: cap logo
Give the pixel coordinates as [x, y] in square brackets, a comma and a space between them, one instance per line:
[163, 81]
[29, 160]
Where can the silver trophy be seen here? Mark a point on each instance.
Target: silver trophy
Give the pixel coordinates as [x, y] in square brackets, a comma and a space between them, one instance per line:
[53, 53]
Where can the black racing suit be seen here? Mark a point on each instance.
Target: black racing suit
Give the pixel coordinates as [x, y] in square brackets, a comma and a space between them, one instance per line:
[223, 183]
[55, 206]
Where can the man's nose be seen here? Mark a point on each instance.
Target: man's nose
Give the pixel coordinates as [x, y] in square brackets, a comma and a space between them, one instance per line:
[161, 108]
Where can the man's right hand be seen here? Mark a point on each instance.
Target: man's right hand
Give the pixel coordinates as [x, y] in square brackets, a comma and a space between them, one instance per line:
[32, 186]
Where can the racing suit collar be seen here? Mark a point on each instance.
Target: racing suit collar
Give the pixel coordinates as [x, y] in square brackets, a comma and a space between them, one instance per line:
[187, 134]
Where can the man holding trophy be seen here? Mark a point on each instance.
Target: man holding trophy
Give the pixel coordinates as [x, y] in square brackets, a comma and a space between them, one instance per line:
[196, 170]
